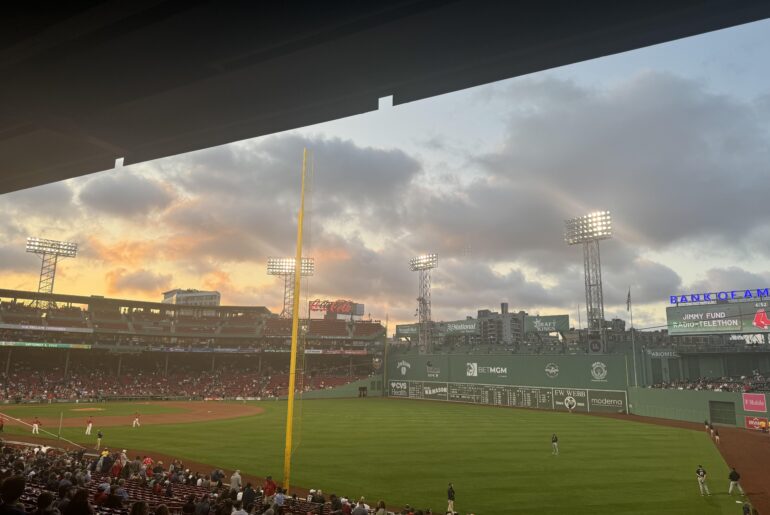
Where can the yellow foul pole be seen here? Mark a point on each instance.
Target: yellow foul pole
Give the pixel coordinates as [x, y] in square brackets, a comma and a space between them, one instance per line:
[294, 332]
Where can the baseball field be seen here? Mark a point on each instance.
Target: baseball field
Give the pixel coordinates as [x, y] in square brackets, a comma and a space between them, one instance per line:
[499, 460]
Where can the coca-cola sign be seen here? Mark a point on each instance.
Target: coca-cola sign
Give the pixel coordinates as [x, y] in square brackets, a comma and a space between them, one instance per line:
[343, 307]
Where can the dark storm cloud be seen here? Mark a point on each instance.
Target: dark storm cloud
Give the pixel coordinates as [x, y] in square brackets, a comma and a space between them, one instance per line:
[348, 181]
[671, 160]
[248, 194]
[124, 194]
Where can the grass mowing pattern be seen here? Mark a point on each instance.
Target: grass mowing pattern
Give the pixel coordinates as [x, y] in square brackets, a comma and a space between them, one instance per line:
[498, 459]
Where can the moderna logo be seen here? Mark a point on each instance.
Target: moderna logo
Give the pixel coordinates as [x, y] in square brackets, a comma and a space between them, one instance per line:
[760, 320]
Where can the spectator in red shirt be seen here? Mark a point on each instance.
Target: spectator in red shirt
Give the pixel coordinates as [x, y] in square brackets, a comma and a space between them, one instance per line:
[101, 496]
[268, 490]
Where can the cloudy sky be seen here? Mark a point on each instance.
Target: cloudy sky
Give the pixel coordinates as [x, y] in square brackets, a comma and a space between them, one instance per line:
[672, 139]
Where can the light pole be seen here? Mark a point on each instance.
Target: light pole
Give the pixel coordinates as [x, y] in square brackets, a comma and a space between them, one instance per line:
[49, 251]
[587, 231]
[423, 265]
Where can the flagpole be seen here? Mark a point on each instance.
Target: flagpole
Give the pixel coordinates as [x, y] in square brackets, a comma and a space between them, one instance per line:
[633, 341]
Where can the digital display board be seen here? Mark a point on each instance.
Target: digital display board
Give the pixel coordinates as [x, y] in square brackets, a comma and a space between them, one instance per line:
[725, 318]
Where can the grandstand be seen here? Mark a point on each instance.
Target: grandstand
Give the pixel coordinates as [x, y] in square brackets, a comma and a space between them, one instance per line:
[90, 348]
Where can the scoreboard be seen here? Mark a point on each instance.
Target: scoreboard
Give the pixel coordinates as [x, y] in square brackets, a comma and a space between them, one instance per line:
[539, 397]
[502, 395]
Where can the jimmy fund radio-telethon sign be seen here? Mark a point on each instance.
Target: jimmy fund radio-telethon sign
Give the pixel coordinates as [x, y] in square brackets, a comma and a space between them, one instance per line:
[546, 324]
[725, 318]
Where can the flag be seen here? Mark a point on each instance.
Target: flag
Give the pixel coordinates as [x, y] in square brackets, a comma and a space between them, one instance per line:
[628, 300]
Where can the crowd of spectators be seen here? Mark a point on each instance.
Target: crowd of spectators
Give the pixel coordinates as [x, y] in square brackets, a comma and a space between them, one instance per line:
[24, 383]
[744, 384]
[45, 481]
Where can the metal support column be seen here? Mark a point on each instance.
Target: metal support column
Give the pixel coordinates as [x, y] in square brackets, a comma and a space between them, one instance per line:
[66, 364]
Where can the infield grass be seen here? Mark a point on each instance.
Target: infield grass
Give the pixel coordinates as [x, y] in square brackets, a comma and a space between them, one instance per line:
[499, 459]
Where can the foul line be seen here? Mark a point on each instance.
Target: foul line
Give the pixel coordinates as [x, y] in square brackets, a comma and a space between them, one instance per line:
[58, 437]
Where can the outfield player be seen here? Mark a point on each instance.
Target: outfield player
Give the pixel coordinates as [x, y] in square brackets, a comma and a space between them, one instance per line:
[716, 436]
[36, 426]
[89, 425]
[136, 420]
[554, 445]
[450, 495]
[734, 478]
[700, 473]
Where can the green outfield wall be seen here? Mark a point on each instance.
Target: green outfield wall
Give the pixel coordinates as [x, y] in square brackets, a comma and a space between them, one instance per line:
[373, 387]
[694, 406]
[607, 372]
[585, 383]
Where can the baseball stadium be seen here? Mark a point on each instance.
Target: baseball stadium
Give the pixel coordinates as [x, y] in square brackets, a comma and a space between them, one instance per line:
[227, 211]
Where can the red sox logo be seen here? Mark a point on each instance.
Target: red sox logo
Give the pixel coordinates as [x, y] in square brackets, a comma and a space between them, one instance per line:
[760, 320]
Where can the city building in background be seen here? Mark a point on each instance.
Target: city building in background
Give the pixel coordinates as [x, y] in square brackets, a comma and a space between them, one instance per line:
[191, 297]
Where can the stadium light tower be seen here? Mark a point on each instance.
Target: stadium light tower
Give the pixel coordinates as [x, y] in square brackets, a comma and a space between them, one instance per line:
[588, 230]
[285, 268]
[423, 265]
[50, 251]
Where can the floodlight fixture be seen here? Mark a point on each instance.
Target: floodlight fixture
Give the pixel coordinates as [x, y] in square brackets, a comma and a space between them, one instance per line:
[49, 251]
[60, 248]
[424, 262]
[591, 227]
[285, 266]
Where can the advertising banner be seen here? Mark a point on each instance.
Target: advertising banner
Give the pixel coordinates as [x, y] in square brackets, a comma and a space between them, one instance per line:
[340, 307]
[606, 401]
[427, 390]
[755, 422]
[398, 389]
[754, 402]
[546, 324]
[408, 330]
[46, 345]
[726, 318]
[604, 372]
[570, 399]
[663, 354]
[461, 327]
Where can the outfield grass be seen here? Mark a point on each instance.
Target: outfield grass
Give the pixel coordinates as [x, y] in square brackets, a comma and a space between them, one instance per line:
[498, 459]
[27, 412]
